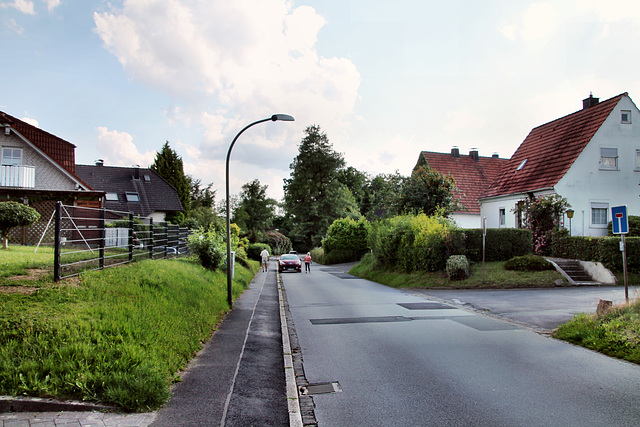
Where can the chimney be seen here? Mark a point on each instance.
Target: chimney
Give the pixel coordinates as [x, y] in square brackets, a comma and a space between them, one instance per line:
[590, 102]
[474, 154]
[99, 162]
[455, 152]
[495, 156]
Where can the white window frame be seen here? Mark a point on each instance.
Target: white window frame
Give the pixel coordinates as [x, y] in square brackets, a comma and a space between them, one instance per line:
[8, 159]
[111, 197]
[502, 216]
[601, 206]
[606, 153]
[133, 197]
[626, 119]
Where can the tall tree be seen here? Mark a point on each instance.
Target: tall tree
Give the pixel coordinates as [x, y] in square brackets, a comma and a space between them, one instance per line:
[314, 196]
[169, 165]
[255, 212]
[427, 191]
[381, 194]
[356, 182]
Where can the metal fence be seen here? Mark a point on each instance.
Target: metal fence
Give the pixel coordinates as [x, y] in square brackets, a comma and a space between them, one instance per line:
[92, 239]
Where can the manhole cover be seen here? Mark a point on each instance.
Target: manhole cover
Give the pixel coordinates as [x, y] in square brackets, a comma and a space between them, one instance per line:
[322, 388]
[344, 276]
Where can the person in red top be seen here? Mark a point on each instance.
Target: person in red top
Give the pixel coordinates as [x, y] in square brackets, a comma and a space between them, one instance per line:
[307, 263]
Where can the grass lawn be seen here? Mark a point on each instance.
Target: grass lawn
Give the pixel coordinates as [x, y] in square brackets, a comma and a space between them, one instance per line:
[118, 336]
[495, 277]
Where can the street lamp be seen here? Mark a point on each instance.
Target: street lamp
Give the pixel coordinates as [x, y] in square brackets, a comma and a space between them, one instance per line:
[570, 215]
[274, 118]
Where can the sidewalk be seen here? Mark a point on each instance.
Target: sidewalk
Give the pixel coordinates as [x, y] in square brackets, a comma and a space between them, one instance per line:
[237, 379]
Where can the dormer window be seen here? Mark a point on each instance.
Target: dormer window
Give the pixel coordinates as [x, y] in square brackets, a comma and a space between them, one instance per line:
[608, 158]
[625, 116]
[147, 178]
[133, 197]
[111, 197]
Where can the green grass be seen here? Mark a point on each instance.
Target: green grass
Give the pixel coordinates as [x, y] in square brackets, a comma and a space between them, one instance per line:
[118, 336]
[616, 333]
[495, 277]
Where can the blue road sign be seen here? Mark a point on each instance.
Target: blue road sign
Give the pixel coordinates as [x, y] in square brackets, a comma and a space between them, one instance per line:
[619, 219]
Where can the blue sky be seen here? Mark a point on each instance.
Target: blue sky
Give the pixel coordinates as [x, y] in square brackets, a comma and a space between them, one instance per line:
[383, 79]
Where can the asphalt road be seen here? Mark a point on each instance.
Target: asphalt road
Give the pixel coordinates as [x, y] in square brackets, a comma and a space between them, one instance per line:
[374, 355]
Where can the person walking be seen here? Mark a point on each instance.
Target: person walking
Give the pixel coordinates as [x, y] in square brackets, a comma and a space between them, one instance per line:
[307, 263]
[265, 259]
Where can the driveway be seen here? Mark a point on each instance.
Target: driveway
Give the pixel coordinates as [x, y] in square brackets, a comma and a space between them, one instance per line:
[542, 309]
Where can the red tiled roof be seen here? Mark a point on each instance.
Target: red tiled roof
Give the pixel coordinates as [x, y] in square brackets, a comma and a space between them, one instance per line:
[61, 151]
[550, 150]
[473, 177]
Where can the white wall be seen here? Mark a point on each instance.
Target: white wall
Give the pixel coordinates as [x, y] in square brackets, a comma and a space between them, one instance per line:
[466, 220]
[586, 184]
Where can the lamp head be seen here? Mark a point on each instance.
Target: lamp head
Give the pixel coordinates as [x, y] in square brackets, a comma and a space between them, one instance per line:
[570, 213]
[282, 118]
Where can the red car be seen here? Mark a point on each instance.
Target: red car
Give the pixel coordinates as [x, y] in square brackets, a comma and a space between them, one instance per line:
[289, 262]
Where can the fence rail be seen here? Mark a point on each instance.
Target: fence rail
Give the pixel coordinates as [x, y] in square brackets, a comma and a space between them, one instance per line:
[92, 239]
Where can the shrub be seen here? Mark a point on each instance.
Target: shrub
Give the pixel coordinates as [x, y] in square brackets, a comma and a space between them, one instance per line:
[528, 263]
[209, 247]
[278, 242]
[346, 240]
[458, 267]
[254, 250]
[317, 255]
[13, 214]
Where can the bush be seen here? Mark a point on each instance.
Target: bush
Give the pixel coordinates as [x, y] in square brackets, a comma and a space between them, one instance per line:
[458, 267]
[209, 247]
[501, 244]
[317, 255]
[278, 242]
[346, 240]
[254, 250]
[13, 214]
[528, 263]
[599, 249]
[634, 227]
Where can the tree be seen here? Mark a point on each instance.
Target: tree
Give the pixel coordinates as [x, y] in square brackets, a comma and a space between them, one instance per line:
[169, 165]
[314, 196]
[356, 182]
[428, 191]
[14, 214]
[255, 212]
[381, 195]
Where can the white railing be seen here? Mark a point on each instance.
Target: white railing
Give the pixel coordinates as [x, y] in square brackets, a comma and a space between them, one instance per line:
[17, 176]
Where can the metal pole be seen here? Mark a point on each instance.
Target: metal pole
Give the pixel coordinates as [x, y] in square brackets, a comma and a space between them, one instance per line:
[56, 242]
[624, 269]
[229, 281]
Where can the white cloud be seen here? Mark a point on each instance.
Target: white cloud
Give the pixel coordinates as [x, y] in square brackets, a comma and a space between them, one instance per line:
[12, 25]
[52, 4]
[228, 63]
[118, 149]
[31, 121]
[24, 6]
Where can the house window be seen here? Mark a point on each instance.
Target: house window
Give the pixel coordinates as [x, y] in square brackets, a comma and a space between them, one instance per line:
[625, 116]
[638, 160]
[608, 158]
[133, 197]
[11, 156]
[599, 214]
[112, 197]
[502, 216]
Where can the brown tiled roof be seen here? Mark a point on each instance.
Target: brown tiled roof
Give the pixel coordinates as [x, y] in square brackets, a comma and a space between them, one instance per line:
[473, 177]
[155, 193]
[61, 151]
[550, 150]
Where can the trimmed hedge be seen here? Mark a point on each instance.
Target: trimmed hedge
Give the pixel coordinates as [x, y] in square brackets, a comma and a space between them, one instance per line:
[254, 250]
[599, 249]
[502, 244]
[528, 263]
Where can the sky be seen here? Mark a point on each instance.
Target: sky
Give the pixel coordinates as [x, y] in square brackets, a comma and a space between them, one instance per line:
[384, 80]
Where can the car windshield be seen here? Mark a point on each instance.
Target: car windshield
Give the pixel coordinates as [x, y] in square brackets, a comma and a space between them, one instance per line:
[288, 257]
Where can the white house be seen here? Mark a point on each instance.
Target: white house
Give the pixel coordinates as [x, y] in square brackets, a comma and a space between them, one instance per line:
[590, 157]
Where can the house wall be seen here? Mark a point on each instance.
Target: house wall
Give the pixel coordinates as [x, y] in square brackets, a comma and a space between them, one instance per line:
[48, 177]
[464, 220]
[490, 208]
[587, 185]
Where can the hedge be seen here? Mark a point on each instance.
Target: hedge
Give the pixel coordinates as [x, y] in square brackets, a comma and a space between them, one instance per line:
[599, 249]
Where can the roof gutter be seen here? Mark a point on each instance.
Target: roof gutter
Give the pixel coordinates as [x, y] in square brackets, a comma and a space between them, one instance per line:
[523, 193]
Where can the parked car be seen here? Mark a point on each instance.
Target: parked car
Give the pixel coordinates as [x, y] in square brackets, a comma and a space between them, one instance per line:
[289, 262]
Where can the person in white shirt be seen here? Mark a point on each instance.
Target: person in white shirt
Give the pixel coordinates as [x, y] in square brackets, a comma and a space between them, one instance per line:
[265, 259]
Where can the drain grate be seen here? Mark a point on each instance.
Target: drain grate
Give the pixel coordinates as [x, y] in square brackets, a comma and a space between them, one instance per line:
[427, 305]
[322, 388]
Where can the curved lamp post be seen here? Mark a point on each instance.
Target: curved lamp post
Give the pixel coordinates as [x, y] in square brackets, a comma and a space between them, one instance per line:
[274, 118]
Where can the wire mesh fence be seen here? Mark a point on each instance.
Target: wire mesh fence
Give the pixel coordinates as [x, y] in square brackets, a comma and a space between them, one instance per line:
[92, 239]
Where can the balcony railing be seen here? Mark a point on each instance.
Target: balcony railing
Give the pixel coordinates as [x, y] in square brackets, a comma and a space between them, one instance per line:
[17, 176]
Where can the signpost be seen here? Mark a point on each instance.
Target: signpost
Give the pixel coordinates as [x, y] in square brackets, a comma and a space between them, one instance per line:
[620, 223]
